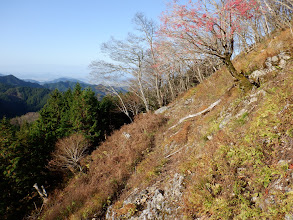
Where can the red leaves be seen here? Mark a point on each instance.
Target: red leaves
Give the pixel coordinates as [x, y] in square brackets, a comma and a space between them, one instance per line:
[206, 25]
[193, 13]
[240, 8]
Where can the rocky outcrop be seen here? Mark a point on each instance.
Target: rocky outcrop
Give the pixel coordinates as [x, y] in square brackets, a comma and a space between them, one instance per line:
[161, 110]
[152, 202]
[244, 107]
[271, 64]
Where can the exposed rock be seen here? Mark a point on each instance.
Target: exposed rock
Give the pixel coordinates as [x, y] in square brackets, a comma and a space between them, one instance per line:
[289, 217]
[257, 74]
[153, 202]
[284, 56]
[177, 186]
[225, 121]
[271, 63]
[126, 135]
[282, 64]
[161, 110]
[283, 162]
[247, 106]
[268, 63]
[210, 137]
[275, 60]
[242, 111]
[188, 101]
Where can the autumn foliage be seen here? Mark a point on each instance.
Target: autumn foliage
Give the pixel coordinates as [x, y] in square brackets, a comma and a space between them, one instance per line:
[208, 29]
[110, 166]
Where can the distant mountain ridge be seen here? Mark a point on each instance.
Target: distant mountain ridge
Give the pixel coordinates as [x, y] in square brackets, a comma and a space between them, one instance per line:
[65, 85]
[32, 81]
[100, 89]
[17, 97]
[63, 79]
[62, 84]
[14, 81]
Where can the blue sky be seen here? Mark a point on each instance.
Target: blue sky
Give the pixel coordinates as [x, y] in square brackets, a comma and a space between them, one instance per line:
[46, 39]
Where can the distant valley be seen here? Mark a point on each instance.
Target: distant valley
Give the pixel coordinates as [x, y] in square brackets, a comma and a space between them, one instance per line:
[18, 96]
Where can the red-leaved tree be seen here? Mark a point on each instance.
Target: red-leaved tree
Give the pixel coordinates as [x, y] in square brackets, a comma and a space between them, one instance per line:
[208, 28]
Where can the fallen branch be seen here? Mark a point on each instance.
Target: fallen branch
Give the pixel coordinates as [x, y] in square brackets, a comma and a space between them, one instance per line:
[42, 193]
[173, 153]
[197, 114]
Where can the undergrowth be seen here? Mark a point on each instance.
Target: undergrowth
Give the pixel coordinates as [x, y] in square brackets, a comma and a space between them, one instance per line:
[240, 174]
[110, 166]
[234, 171]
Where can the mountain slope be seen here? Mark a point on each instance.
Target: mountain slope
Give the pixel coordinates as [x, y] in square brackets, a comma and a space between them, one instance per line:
[14, 81]
[63, 86]
[16, 101]
[63, 79]
[215, 153]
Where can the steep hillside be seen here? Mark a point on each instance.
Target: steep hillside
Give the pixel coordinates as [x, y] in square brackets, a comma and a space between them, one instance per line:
[215, 153]
[16, 101]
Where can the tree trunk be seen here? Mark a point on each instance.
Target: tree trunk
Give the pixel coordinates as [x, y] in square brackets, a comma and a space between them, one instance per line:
[171, 88]
[142, 93]
[158, 93]
[42, 193]
[123, 108]
[244, 83]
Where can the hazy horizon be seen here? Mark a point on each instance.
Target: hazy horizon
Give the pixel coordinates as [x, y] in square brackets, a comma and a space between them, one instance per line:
[45, 40]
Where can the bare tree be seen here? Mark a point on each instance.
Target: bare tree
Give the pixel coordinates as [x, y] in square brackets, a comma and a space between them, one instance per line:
[122, 106]
[148, 28]
[278, 12]
[128, 57]
[68, 153]
[133, 103]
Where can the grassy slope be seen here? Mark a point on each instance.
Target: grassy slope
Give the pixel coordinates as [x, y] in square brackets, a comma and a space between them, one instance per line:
[230, 168]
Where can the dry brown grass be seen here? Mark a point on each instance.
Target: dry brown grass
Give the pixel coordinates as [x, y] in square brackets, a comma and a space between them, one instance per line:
[181, 137]
[217, 189]
[111, 166]
[27, 118]
[121, 164]
[279, 41]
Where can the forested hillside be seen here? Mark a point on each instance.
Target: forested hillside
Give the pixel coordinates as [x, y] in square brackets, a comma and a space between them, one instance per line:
[204, 132]
[18, 97]
[16, 101]
[26, 148]
[14, 81]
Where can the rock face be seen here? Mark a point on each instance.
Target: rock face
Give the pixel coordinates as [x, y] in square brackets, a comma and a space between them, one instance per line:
[152, 202]
[246, 107]
[271, 64]
[161, 110]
